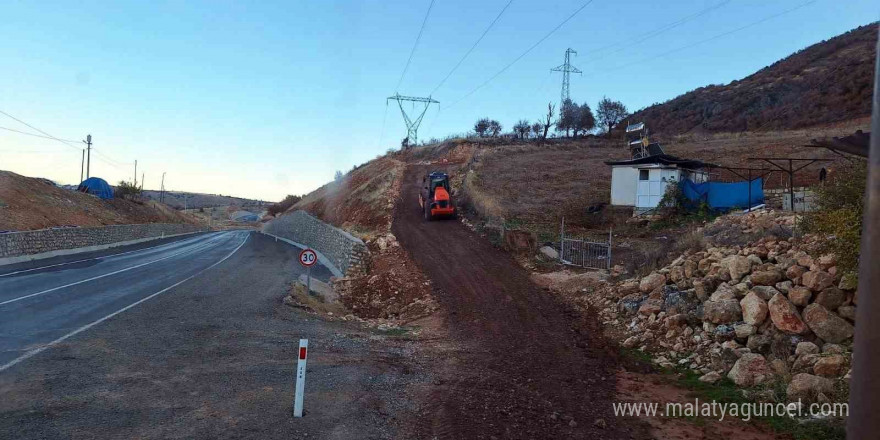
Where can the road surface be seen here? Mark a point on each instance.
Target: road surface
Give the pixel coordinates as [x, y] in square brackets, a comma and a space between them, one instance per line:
[187, 339]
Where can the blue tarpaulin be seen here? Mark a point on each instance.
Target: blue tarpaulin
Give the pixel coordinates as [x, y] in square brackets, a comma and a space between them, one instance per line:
[96, 187]
[721, 195]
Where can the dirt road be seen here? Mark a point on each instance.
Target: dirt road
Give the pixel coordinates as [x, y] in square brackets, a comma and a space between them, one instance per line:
[518, 363]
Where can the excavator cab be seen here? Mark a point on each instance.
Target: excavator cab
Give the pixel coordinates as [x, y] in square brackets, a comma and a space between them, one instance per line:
[435, 198]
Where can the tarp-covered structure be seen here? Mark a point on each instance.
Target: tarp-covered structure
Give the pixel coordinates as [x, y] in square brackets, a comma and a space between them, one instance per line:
[720, 195]
[96, 186]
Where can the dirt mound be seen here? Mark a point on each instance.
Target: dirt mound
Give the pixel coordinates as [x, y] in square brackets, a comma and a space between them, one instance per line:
[27, 203]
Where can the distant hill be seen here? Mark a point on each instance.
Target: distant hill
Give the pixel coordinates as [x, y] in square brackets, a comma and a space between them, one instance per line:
[827, 82]
[175, 199]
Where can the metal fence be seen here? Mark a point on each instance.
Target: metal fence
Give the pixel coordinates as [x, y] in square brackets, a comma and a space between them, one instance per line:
[584, 253]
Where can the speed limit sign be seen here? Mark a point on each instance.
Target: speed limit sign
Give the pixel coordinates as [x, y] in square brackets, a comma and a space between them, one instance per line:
[308, 257]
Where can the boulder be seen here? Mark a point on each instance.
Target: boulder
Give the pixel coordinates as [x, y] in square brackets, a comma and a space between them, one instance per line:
[743, 331]
[826, 262]
[549, 252]
[806, 387]
[759, 344]
[783, 286]
[754, 309]
[831, 298]
[785, 316]
[795, 272]
[652, 282]
[830, 366]
[710, 377]
[737, 266]
[724, 291]
[848, 312]
[627, 287]
[703, 288]
[804, 363]
[651, 306]
[750, 369]
[830, 348]
[765, 292]
[849, 281]
[766, 277]
[724, 311]
[826, 325]
[800, 296]
[816, 280]
[690, 269]
[806, 348]
[676, 274]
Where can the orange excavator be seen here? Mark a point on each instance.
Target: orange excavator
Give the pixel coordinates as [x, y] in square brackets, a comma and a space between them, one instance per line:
[435, 198]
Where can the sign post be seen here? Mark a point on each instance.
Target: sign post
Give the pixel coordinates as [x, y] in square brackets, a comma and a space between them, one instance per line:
[308, 258]
[300, 377]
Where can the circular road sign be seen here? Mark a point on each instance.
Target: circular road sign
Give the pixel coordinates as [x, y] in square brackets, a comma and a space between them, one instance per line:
[308, 257]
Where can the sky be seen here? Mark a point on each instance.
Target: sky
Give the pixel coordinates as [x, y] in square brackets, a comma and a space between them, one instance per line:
[261, 99]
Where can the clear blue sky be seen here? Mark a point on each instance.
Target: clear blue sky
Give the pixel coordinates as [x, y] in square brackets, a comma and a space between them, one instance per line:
[261, 99]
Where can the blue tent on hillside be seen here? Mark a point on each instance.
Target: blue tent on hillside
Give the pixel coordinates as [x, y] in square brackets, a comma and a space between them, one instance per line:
[96, 187]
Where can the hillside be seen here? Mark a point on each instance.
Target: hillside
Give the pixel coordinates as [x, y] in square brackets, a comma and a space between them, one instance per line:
[27, 203]
[175, 199]
[827, 82]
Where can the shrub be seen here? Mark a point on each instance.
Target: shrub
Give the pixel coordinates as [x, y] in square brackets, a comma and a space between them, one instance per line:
[838, 214]
[284, 205]
[126, 190]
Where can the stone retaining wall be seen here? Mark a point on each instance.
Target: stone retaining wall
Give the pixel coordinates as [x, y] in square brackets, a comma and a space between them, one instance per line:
[15, 244]
[347, 253]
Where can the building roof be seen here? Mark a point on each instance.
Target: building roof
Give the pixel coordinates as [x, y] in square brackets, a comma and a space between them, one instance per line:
[663, 159]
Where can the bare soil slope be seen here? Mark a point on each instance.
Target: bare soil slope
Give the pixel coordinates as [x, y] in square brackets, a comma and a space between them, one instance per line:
[525, 366]
[27, 203]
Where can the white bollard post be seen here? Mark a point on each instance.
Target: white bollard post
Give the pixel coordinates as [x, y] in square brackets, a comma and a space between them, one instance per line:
[300, 377]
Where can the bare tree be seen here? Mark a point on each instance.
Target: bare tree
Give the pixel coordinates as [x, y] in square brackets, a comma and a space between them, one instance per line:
[494, 128]
[482, 127]
[610, 113]
[522, 128]
[549, 119]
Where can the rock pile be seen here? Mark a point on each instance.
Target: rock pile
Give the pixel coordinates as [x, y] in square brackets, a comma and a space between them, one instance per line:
[759, 313]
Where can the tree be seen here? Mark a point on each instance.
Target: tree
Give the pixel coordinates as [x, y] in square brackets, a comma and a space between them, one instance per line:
[404, 144]
[522, 128]
[548, 120]
[338, 176]
[585, 120]
[494, 128]
[610, 113]
[567, 117]
[126, 190]
[482, 127]
[284, 205]
[536, 129]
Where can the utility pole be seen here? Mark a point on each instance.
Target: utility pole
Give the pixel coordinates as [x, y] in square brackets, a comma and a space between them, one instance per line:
[162, 189]
[135, 173]
[142, 181]
[412, 125]
[82, 166]
[566, 69]
[88, 142]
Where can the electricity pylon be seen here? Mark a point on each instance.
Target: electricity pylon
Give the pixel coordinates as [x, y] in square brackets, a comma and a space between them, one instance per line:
[566, 69]
[412, 125]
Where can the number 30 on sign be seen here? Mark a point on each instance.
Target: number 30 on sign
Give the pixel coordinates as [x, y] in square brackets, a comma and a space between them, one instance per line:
[308, 257]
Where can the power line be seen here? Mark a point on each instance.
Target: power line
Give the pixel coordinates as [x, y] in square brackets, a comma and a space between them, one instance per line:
[34, 134]
[419, 37]
[656, 31]
[714, 37]
[523, 54]
[41, 131]
[472, 47]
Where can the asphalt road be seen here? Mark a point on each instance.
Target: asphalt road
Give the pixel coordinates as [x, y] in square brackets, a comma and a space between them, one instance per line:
[188, 339]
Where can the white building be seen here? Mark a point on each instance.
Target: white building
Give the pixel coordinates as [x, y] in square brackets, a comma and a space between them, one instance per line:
[642, 182]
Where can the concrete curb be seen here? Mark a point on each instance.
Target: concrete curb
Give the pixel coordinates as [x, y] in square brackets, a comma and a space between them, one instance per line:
[50, 254]
[321, 258]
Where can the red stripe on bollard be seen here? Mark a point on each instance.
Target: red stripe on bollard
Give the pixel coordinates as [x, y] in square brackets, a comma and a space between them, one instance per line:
[302, 352]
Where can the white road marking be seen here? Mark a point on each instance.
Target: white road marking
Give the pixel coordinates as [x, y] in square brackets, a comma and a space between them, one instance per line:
[100, 276]
[106, 257]
[92, 324]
